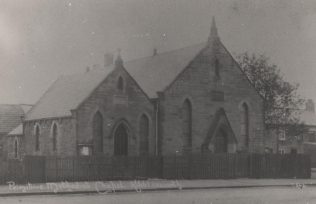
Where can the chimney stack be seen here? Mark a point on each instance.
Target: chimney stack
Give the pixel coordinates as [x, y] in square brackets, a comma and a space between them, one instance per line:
[155, 52]
[119, 60]
[87, 69]
[108, 59]
[95, 66]
[310, 106]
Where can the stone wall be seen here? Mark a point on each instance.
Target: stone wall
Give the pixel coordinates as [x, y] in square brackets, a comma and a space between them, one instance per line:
[66, 137]
[198, 83]
[116, 106]
[10, 149]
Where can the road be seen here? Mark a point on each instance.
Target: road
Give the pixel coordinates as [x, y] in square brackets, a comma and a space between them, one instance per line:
[287, 195]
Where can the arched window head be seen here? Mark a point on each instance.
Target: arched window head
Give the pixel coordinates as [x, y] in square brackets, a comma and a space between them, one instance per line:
[37, 136]
[54, 136]
[216, 64]
[120, 84]
[244, 125]
[187, 125]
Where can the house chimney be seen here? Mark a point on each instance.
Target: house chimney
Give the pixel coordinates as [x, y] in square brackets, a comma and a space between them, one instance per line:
[95, 66]
[119, 60]
[87, 69]
[108, 59]
[310, 106]
[155, 52]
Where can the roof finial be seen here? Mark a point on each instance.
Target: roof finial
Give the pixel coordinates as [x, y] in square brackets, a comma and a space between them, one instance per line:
[213, 32]
[118, 60]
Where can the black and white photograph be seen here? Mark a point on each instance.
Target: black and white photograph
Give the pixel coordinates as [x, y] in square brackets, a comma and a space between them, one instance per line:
[157, 101]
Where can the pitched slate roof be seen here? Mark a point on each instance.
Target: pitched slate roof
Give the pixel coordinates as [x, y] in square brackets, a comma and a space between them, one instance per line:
[66, 93]
[10, 116]
[152, 73]
[17, 131]
[155, 73]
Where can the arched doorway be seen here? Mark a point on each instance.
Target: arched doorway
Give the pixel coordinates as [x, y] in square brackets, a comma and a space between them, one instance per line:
[121, 140]
[221, 142]
[97, 133]
[220, 137]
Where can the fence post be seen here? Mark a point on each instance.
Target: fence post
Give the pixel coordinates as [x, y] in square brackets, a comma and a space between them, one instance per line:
[73, 169]
[235, 165]
[250, 170]
[44, 168]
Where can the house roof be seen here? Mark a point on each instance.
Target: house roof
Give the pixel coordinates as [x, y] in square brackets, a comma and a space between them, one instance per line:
[66, 93]
[153, 74]
[17, 131]
[10, 116]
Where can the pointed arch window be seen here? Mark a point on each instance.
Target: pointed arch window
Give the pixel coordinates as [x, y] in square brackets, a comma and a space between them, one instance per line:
[16, 148]
[144, 135]
[54, 136]
[37, 137]
[97, 133]
[244, 125]
[187, 125]
[120, 84]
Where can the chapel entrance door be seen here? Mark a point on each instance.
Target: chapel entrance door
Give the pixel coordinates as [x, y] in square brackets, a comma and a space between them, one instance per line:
[121, 141]
[221, 142]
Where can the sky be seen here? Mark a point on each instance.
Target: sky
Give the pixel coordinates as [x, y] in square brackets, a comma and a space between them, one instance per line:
[43, 39]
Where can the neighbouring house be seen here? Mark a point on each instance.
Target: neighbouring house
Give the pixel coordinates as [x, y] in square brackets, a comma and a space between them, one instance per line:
[10, 117]
[309, 144]
[281, 140]
[189, 100]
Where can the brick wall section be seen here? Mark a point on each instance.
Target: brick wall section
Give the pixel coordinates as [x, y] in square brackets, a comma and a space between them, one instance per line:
[66, 137]
[196, 84]
[130, 108]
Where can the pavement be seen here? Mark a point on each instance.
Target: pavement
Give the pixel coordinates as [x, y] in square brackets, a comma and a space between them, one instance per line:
[110, 187]
[271, 195]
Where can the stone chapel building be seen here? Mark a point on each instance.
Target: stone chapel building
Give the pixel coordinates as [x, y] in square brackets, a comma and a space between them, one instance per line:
[190, 100]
